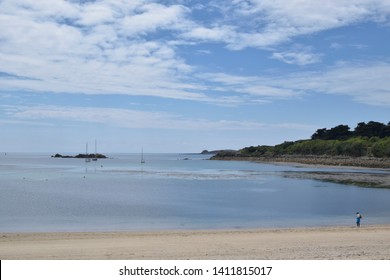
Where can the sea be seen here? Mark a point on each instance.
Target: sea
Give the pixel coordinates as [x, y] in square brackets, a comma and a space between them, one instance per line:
[39, 193]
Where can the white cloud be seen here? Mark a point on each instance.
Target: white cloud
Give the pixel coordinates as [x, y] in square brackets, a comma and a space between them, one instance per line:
[57, 55]
[133, 119]
[43, 9]
[266, 23]
[96, 13]
[365, 83]
[305, 16]
[251, 87]
[221, 33]
[150, 17]
[338, 46]
[296, 57]
[204, 52]
[111, 47]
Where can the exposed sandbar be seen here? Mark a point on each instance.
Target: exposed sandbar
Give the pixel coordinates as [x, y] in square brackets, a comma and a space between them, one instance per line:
[377, 180]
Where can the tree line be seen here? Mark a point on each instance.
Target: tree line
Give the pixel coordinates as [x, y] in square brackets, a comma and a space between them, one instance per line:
[370, 139]
[343, 132]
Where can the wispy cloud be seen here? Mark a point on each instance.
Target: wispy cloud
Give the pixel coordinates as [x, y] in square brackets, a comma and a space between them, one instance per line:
[249, 88]
[299, 55]
[114, 47]
[266, 23]
[92, 48]
[338, 46]
[365, 83]
[133, 119]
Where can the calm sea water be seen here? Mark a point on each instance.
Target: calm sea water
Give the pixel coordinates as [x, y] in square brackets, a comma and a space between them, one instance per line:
[172, 191]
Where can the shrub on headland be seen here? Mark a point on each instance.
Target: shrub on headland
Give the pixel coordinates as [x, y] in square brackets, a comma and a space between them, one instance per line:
[367, 140]
[381, 148]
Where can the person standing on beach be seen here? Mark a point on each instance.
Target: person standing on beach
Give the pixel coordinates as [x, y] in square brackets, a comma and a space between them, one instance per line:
[358, 218]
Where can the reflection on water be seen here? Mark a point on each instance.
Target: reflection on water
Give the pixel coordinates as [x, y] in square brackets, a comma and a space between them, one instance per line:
[39, 193]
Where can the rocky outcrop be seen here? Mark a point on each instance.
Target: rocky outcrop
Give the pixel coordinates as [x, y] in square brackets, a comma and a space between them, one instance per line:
[80, 156]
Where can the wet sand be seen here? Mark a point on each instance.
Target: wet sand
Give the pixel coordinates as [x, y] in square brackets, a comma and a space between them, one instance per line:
[346, 243]
[363, 179]
[378, 175]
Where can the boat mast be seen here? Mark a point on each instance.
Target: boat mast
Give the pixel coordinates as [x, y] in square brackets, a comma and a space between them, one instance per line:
[95, 157]
[87, 159]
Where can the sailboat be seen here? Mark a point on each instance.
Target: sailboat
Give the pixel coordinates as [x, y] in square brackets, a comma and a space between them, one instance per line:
[87, 159]
[142, 156]
[95, 158]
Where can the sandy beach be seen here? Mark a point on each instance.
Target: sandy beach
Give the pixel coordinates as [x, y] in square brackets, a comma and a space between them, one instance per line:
[346, 243]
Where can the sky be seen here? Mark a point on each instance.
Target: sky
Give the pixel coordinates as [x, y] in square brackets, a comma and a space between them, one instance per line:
[184, 76]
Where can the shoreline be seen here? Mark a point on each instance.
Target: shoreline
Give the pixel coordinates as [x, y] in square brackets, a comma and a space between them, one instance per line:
[339, 242]
[320, 161]
[358, 178]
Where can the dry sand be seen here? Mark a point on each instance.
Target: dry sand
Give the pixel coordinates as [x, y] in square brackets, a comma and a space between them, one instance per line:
[370, 242]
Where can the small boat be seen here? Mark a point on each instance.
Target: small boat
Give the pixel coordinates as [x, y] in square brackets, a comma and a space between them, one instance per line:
[142, 156]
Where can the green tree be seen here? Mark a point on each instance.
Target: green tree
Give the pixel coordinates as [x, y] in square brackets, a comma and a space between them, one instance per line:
[371, 129]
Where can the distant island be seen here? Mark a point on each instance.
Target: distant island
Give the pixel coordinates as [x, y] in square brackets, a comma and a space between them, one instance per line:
[80, 156]
[368, 145]
[206, 152]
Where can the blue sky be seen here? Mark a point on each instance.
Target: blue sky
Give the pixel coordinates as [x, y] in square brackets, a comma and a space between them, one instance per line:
[183, 76]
